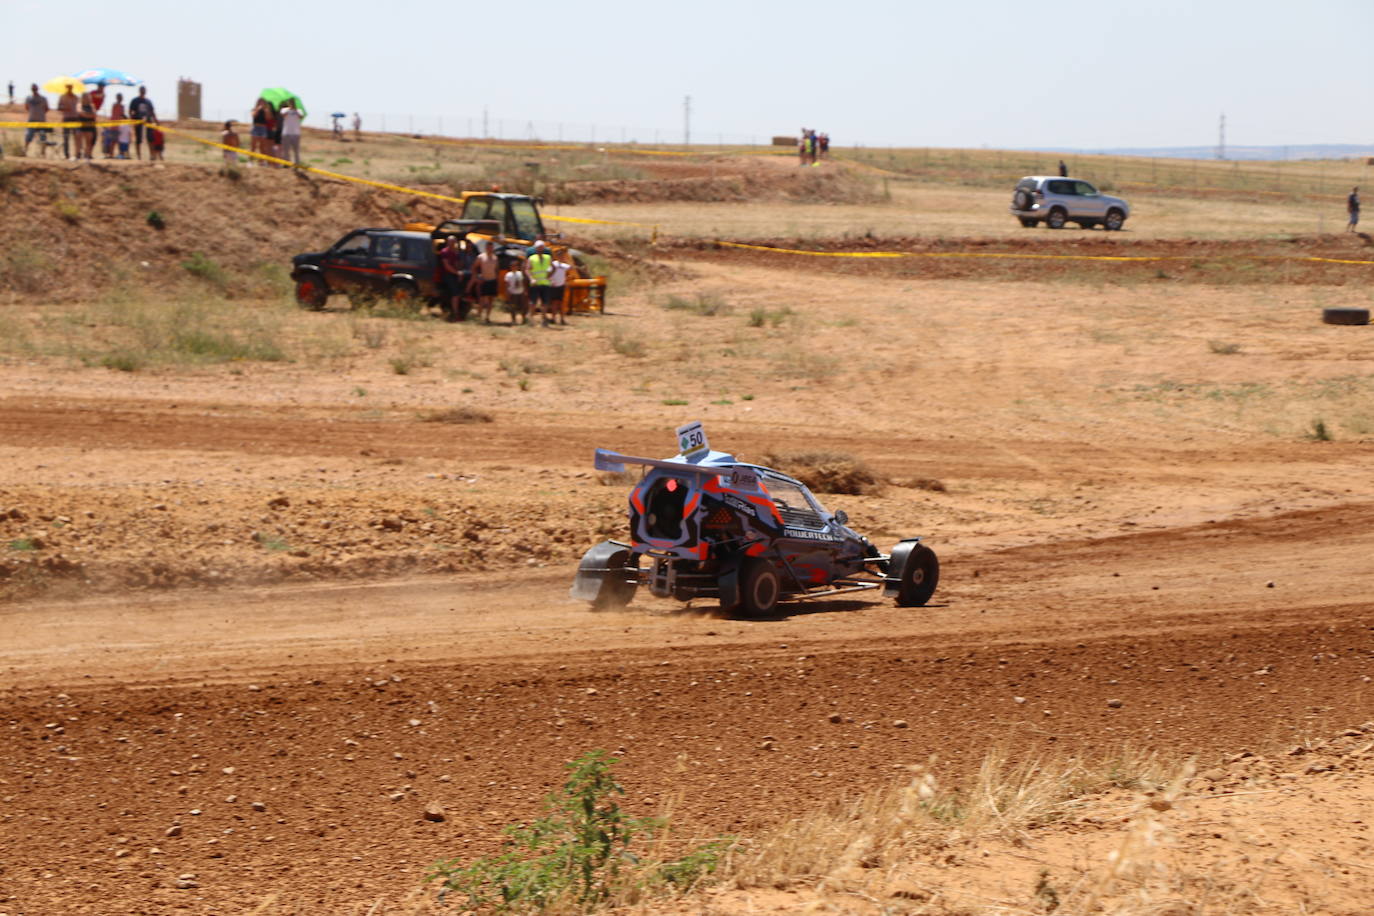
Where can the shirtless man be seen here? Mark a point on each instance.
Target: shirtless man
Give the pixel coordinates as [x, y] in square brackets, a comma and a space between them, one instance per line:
[486, 271]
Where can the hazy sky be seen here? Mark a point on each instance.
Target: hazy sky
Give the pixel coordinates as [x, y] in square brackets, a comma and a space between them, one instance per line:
[980, 72]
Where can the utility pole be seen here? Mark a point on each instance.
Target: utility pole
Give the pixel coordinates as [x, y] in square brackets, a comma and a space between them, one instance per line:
[1221, 138]
[485, 135]
[687, 120]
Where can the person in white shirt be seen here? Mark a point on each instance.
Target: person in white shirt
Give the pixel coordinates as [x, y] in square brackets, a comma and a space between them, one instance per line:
[517, 293]
[290, 131]
[558, 299]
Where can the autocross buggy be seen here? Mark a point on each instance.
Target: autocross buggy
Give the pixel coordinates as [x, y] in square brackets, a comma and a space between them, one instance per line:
[714, 527]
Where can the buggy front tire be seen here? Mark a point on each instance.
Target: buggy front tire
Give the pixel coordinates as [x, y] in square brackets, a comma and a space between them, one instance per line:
[919, 575]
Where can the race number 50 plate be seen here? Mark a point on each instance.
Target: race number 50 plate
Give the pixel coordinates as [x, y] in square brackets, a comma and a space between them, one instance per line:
[691, 439]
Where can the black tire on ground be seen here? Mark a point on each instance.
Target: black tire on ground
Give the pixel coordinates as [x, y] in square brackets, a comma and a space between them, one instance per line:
[616, 593]
[1057, 218]
[604, 576]
[1345, 316]
[1021, 200]
[311, 292]
[403, 294]
[759, 588]
[1028, 223]
[1114, 220]
[920, 575]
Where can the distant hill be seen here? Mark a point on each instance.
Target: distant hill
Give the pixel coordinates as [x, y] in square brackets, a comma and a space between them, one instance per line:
[1268, 153]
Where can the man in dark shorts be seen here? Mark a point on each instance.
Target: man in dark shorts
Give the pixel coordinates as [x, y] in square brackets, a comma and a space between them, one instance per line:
[1352, 207]
[67, 103]
[539, 268]
[486, 270]
[141, 110]
[453, 278]
[37, 107]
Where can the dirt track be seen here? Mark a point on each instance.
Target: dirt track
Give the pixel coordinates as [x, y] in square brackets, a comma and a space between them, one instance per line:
[345, 709]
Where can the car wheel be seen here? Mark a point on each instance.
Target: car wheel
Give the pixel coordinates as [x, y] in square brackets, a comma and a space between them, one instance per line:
[1021, 200]
[311, 292]
[1350, 316]
[1029, 223]
[1057, 218]
[1114, 220]
[403, 294]
[919, 576]
[759, 588]
[603, 577]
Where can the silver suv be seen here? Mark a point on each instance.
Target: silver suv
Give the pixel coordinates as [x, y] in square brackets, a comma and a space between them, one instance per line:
[1057, 201]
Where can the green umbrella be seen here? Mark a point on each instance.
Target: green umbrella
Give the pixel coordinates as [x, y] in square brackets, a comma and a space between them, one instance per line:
[279, 95]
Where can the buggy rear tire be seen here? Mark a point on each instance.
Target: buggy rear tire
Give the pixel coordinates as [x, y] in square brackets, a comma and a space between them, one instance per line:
[311, 292]
[603, 577]
[760, 587]
[1345, 316]
[919, 575]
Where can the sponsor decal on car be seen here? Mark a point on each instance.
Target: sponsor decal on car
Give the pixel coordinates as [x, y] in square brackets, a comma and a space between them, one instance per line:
[807, 534]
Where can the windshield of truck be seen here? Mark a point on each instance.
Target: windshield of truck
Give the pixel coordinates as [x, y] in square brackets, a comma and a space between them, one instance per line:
[476, 207]
[527, 224]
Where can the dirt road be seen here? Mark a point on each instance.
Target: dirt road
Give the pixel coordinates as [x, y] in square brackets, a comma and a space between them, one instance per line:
[144, 731]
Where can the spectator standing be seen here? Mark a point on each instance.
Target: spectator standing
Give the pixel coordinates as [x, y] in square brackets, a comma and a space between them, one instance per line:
[485, 273]
[11, 92]
[290, 117]
[86, 135]
[558, 285]
[517, 296]
[539, 266]
[230, 137]
[155, 142]
[37, 106]
[452, 278]
[67, 104]
[1063, 169]
[141, 110]
[801, 147]
[1352, 207]
[825, 146]
[357, 127]
[257, 140]
[123, 132]
[109, 134]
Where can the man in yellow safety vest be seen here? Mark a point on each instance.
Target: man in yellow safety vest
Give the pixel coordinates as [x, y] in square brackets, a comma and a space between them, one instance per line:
[540, 268]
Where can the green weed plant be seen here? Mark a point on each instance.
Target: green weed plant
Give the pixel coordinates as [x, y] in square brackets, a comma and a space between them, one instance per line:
[577, 856]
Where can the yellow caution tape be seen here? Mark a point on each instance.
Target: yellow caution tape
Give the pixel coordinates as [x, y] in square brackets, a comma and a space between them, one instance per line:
[1010, 255]
[68, 125]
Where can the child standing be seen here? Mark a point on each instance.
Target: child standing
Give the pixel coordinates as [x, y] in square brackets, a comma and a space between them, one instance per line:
[156, 142]
[230, 137]
[517, 293]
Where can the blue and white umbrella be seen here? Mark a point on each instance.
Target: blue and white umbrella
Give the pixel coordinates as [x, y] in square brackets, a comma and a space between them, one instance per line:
[104, 76]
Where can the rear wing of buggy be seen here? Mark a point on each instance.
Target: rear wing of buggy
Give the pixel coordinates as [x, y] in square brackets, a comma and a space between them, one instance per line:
[738, 477]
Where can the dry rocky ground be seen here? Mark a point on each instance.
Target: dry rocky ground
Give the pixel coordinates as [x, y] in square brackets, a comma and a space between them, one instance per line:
[260, 612]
